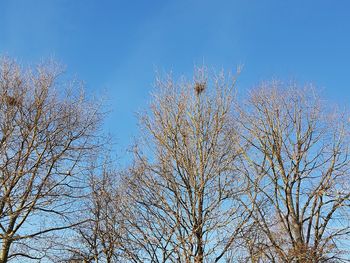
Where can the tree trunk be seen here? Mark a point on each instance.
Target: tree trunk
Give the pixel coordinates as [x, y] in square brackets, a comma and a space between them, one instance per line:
[5, 250]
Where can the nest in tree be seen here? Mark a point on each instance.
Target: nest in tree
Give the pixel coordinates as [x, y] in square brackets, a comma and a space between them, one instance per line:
[199, 87]
[12, 101]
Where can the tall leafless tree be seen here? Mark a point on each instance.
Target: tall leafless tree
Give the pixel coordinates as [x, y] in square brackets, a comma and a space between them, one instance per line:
[184, 187]
[298, 168]
[46, 133]
[103, 235]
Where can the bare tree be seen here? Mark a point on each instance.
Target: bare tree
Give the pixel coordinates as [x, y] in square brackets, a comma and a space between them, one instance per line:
[103, 236]
[298, 168]
[46, 133]
[184, 187]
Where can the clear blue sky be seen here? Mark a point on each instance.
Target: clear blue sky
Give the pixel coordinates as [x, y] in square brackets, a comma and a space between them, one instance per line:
[117, 46]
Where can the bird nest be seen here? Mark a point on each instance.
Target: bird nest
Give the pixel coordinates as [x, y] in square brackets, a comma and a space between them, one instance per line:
[199, 87]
